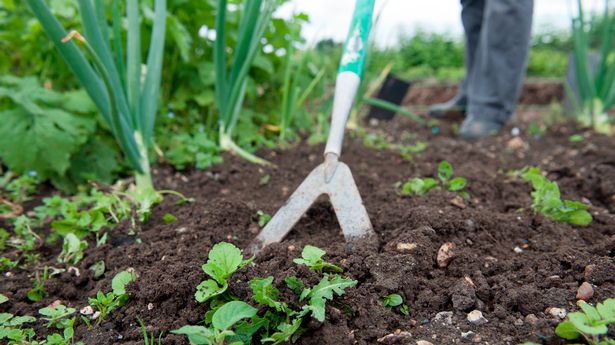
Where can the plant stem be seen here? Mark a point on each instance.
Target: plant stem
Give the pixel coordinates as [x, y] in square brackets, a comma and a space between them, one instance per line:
[145, 193]
[227, 144]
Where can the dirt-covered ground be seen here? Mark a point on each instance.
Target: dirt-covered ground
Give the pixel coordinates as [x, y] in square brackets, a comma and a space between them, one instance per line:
[508, 262]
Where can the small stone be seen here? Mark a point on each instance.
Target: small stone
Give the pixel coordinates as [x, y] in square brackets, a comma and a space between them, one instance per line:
[87, 310]
[445, 254]
[466, 335]
[585, 291]
[476, 317]
[518, 250]
[444, 317]
[150, 306]
[518, 322]
[477, 338]
[404, 247]
[515, 131]
[531, 319]
[458, 202]
[515, 143]
[74, 270]
[291, 248]
[396, 337]
[55, 304]
[95, 315]
[559, 313]
[181, 230]
[423, 342]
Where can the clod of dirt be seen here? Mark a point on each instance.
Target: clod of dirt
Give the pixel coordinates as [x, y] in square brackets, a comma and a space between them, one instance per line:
[476, 317]
[599, 272]
[559, 313]
[515, 143]
[395, 338]
[445, 254]
[531, 319]
[585, 291]
[463, 295]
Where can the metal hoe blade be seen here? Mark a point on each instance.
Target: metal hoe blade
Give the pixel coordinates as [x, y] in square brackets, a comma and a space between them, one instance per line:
[344, 197]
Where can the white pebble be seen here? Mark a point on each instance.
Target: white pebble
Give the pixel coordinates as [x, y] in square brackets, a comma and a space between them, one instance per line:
[476, 317]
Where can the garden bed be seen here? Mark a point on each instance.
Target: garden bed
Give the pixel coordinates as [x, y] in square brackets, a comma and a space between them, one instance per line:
[508, 262]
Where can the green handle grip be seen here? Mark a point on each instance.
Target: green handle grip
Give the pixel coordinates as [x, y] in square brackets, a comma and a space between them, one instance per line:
[353, 57]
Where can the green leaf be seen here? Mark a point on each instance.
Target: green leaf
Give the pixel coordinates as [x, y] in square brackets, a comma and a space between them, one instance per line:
[98, 269]
[294, 284]
[168, 218]
[232, 312]
[284, 333]
[208, 289]
[591, 312]
[119, 282]
[197, 335]
[265, 293]
[580, 217]
[585, 325]
[3, 298]
[392, 300]
[418, 186]
[606, 309]
[223, 260]
[458, 183]
[323, 291]
[312, 257]
[445, 171]
[567, 330]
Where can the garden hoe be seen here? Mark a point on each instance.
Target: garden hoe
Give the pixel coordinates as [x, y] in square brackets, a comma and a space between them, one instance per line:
[332, 177]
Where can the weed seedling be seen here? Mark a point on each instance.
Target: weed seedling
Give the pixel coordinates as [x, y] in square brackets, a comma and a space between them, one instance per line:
[263, 218]
[38, 289]
[312, 257]
[223, 260]
[148, 340]
[395, 300]
[57, 317]
[421, 186]
[72, 249]
[106, 303]
[546, 200]
[168, 218]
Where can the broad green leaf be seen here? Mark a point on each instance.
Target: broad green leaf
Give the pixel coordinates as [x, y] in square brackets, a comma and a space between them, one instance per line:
[294, 284]
[392, 300]
[20, 320]
[208, 289]
[284, 332]
[458, 183]
[265, 293]
[584, 325]
[197, 335]
[3, 298]
[607, 309]
[223, 260]
[580, 217]
[591, 312]
[119, 282]
[312, 257]
[325, 290]
[567, 330]
[445, 171]
[98, 269]
[230, 313]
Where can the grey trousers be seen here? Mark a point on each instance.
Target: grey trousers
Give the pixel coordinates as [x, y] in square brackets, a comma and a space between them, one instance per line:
[497, 46]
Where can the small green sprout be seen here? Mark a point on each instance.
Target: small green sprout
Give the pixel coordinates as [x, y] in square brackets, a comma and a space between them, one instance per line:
[168, 218]
[421, 186]
[223, 260]
[57, 316]
[222, 323]
[263, 218]
[546, 200]
[323, 291]
[312, 257]
[418, 186]
[264, 180]
[445, 174]
[576, 138]
[72, 249]
[38, 292]
[395, 300]
[106, 303]
[3, 298]
[148, 340]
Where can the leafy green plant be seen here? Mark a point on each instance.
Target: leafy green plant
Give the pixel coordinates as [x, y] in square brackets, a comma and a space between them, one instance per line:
[223, 260]
[168, 218]
[546, 200]
[127, 104]
[38, 292]
[395, 300]
[19, 188]
[231, 84]
[421, 186]
[57, 316]
[148, 340]
[72, 249]
[11, 328]
[263, 218]
[106, 303]
[312, 257]
[184, 149]
[221, 326]
[596, 88]
[325, 290]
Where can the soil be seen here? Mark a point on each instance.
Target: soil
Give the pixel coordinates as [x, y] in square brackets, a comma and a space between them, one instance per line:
[508, 262]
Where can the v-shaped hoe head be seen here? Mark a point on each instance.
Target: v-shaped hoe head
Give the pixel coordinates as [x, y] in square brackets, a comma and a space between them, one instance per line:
[334, 179]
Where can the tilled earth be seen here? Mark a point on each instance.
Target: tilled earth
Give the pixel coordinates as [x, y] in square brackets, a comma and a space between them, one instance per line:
[508, 262]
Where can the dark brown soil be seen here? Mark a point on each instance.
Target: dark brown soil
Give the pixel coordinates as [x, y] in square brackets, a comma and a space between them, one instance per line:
[534, 92]
[486, 272]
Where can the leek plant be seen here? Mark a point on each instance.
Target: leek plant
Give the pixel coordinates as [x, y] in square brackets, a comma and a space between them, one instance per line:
[230, 83]
[596, 88]
[126, 96]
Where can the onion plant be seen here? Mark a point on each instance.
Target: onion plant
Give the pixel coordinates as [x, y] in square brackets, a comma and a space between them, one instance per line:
[231, 82]
[596, 87]
[125, 94]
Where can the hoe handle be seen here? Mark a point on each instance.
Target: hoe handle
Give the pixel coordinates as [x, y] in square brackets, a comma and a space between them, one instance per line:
[349, 73]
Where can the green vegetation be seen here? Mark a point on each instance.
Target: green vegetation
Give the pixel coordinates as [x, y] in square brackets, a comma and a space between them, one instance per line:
[591, 324]
[395, 300]
[547, 201]
[106, 303]
[421, 186]
[596, 88]
[230, 320]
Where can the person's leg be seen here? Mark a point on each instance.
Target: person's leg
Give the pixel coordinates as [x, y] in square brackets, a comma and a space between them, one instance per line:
[499, 66]
[472, 19]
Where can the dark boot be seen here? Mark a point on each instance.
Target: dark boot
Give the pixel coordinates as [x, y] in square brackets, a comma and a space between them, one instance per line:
[474, 127]
[456, 107]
